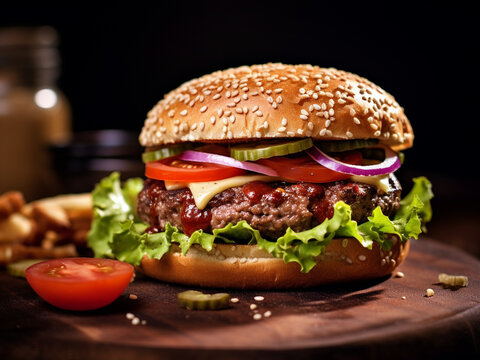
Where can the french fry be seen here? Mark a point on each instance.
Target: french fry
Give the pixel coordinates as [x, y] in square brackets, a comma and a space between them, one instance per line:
[16, 228]
[10, 202]
[15, 252]
[50, 216]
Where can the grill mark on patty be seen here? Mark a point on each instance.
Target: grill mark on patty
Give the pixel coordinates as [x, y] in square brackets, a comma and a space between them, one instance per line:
[268, 207]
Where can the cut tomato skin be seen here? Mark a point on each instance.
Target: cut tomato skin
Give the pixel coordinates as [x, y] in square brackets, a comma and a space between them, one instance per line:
[173, 169]
[303, 168]
[79, 283]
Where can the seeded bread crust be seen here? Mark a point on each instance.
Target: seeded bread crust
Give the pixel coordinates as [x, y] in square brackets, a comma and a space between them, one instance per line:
[248, 267]
[277, 101]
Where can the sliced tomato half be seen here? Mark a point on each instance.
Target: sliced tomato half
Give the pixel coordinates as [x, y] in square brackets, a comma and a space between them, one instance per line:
[79, 283]
[173, 169]
[303, 168]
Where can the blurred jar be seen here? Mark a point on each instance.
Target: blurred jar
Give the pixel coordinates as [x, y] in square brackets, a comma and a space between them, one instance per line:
[34, 113]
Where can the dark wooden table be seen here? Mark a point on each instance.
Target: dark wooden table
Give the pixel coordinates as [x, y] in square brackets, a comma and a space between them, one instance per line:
[361, 320]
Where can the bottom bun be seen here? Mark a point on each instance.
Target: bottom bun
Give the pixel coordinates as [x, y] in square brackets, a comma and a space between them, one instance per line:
[248, 267]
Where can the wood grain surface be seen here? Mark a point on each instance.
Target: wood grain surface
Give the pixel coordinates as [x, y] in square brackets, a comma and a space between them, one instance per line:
[360, 320]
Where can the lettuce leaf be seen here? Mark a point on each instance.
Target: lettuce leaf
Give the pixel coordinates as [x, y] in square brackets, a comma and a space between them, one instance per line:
[117, 232]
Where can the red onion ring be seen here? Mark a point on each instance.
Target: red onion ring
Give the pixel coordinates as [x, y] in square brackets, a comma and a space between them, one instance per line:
[387, 166]
[198, 156]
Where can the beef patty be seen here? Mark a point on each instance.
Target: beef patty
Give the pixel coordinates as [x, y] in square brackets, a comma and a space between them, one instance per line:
[268, 207]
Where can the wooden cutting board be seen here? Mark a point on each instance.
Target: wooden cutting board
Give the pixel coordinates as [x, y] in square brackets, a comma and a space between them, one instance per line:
[362, 320]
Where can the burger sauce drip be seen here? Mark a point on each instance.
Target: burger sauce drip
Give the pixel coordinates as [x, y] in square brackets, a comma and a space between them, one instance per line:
[258, 190]
[192, 217]
[154, 187]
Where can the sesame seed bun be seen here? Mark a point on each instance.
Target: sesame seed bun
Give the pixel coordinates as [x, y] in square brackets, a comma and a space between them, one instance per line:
[277, 101]
[248, 267]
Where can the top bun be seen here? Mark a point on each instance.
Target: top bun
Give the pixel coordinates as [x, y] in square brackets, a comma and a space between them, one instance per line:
[277, 101]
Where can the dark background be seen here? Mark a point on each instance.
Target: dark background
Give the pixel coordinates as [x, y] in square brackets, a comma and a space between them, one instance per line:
[119, 60]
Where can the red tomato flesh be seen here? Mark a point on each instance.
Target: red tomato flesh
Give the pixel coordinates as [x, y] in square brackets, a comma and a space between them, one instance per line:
[79, 283]
[303, 168]
[174, 169]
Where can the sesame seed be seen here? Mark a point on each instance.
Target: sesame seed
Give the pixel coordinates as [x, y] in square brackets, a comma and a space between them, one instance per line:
[201, 126]
[274, 105]
[183, 112]
[278, 91]
[374, 126]
[322, 132]
[302, 91]
[399, 274]
[216, 96]
[404, 298]
[245, 97]
[232, 118]
[316, 106]
[304, 112]
[304, 117]
[236, 100]
[267, 314]
[265, 125]
[430, 292]
[258, 113]
[376, 133]
[135, 321]
[234, 300]
[253, 306]
[356, 121]
[331, 112]
[310, 125]
[171, 113]
[220, 112]
[257, 316]
[349, 134]
[234, 93]
[224, 129]
[255, 108]
[245, 110]
[203, 108]
[225, 120]
[129, 316]
[270, 99]
[259, 298]
[212, 120]
[230, 135]
[133, 297]
[239, 110]
[284, 121]
[331, 102]
[194, 126]
[228, 94]
[279, 99]
[327, 123]
[282, 129]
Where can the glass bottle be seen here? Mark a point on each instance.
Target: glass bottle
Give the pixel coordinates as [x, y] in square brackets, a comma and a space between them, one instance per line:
[34, 113]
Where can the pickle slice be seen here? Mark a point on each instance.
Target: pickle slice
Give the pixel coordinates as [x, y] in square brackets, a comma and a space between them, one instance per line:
[269, 149]
[345, 145]
[18, 268]
[196, 300]
[166, 152]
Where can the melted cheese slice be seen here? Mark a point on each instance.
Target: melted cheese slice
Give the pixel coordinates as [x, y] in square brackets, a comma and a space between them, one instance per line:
[380, 181]
[203, 192]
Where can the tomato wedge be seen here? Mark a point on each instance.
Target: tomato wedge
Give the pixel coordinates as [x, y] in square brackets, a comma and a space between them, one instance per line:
[173, 169]
[79, 283]
[303, 168]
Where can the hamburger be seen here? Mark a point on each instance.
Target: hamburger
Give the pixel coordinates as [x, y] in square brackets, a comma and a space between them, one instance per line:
[266, 177]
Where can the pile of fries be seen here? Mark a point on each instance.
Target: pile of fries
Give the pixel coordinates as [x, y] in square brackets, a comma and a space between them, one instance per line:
[48, 228]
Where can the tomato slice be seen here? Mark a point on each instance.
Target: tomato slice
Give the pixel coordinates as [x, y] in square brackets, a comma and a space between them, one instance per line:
[303, 168]
[79, 283]
[174, 169]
